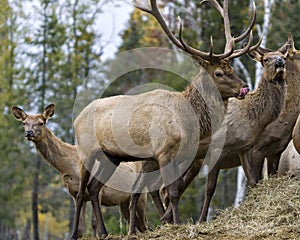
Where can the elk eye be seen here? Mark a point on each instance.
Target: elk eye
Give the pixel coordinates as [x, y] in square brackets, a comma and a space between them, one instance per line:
[219, 73]
[23, 123]
[41, 124]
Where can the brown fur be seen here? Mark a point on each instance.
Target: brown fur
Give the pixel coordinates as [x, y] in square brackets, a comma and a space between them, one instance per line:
[163, 125]
[289, 163]
[277, 135]
[64, 158]
[296, 135]
[259, 108]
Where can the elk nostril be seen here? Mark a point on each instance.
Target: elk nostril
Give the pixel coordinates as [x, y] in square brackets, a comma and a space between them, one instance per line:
[28, 133]
[279, 62]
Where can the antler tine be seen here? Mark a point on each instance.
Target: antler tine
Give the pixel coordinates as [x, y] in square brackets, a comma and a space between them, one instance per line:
[211, 46]
[154, 11]
[230, 41]
[193, 51]
[216, 5]
[228, 35]
[246, 33]
[256, 46]
[242, 51]
[141, 7]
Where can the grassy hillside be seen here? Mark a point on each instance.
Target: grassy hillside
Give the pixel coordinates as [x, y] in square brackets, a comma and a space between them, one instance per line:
[270, 211]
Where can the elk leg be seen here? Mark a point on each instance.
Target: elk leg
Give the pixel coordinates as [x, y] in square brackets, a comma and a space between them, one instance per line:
[141, 214]
[81, 220]
[157, 202]
[257, 155]
[210, 190]
[171, 173]
[273, 163]
[105, 170]
[135, 195]
[248, 168]
[132, 209]
[188, 177]
[94, 188]
[94, 224]
[124, 207]
[85, 175]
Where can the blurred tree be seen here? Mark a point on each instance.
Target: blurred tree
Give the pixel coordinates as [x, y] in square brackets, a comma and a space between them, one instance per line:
[13, 167]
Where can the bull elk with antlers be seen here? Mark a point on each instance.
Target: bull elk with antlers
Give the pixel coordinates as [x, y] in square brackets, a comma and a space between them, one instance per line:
[150, 166]
[159, 125]
[63, 157]
[256, 113]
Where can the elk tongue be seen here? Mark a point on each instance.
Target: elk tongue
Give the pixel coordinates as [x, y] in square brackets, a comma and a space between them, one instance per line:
[243, 92]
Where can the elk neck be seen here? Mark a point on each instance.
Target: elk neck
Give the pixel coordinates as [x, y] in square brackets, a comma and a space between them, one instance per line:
[59, 154]
[292, 105]
[204, 99]
[267, 100]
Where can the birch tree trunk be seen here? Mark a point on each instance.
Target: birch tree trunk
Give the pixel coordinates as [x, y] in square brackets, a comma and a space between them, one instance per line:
[265, 30]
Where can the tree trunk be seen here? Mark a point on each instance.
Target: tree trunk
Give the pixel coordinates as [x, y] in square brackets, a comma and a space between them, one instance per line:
[34, 205]
[265, 30]
[241, 187]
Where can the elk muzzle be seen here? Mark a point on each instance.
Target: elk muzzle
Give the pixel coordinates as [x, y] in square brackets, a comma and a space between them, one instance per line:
[279, 64]
[29, 134]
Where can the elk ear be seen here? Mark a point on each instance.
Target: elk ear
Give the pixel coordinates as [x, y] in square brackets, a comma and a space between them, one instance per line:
[18, 113]
[255, 55]
[289, 46]
[49, 111]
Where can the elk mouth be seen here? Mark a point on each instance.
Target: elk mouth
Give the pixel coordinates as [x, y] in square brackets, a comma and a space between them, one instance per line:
[29, 136]
[243, 92]
[280, 70]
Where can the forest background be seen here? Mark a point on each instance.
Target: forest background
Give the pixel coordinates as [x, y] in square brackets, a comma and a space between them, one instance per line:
[56, 52]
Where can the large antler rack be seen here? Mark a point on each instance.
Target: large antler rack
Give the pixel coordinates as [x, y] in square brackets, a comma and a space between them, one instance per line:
[229, 51]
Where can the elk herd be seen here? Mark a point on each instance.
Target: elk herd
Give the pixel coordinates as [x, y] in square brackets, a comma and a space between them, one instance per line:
[123, 139]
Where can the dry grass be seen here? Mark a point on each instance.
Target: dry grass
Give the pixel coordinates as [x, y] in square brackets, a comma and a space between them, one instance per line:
[270, 211]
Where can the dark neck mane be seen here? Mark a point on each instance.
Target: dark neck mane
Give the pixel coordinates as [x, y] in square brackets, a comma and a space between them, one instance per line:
[205, 99]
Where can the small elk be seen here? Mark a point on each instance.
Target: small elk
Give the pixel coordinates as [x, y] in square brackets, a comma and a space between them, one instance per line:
[159, 125]
[64, 157]
[296, 135]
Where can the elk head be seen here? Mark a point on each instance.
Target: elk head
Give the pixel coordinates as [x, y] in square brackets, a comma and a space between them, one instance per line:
[273, 63]
[34, 125]
[217, 65]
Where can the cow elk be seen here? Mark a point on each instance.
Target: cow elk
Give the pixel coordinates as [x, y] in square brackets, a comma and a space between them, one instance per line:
[245, 120]
[63, 157]
[277, 135]
[160, 125]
